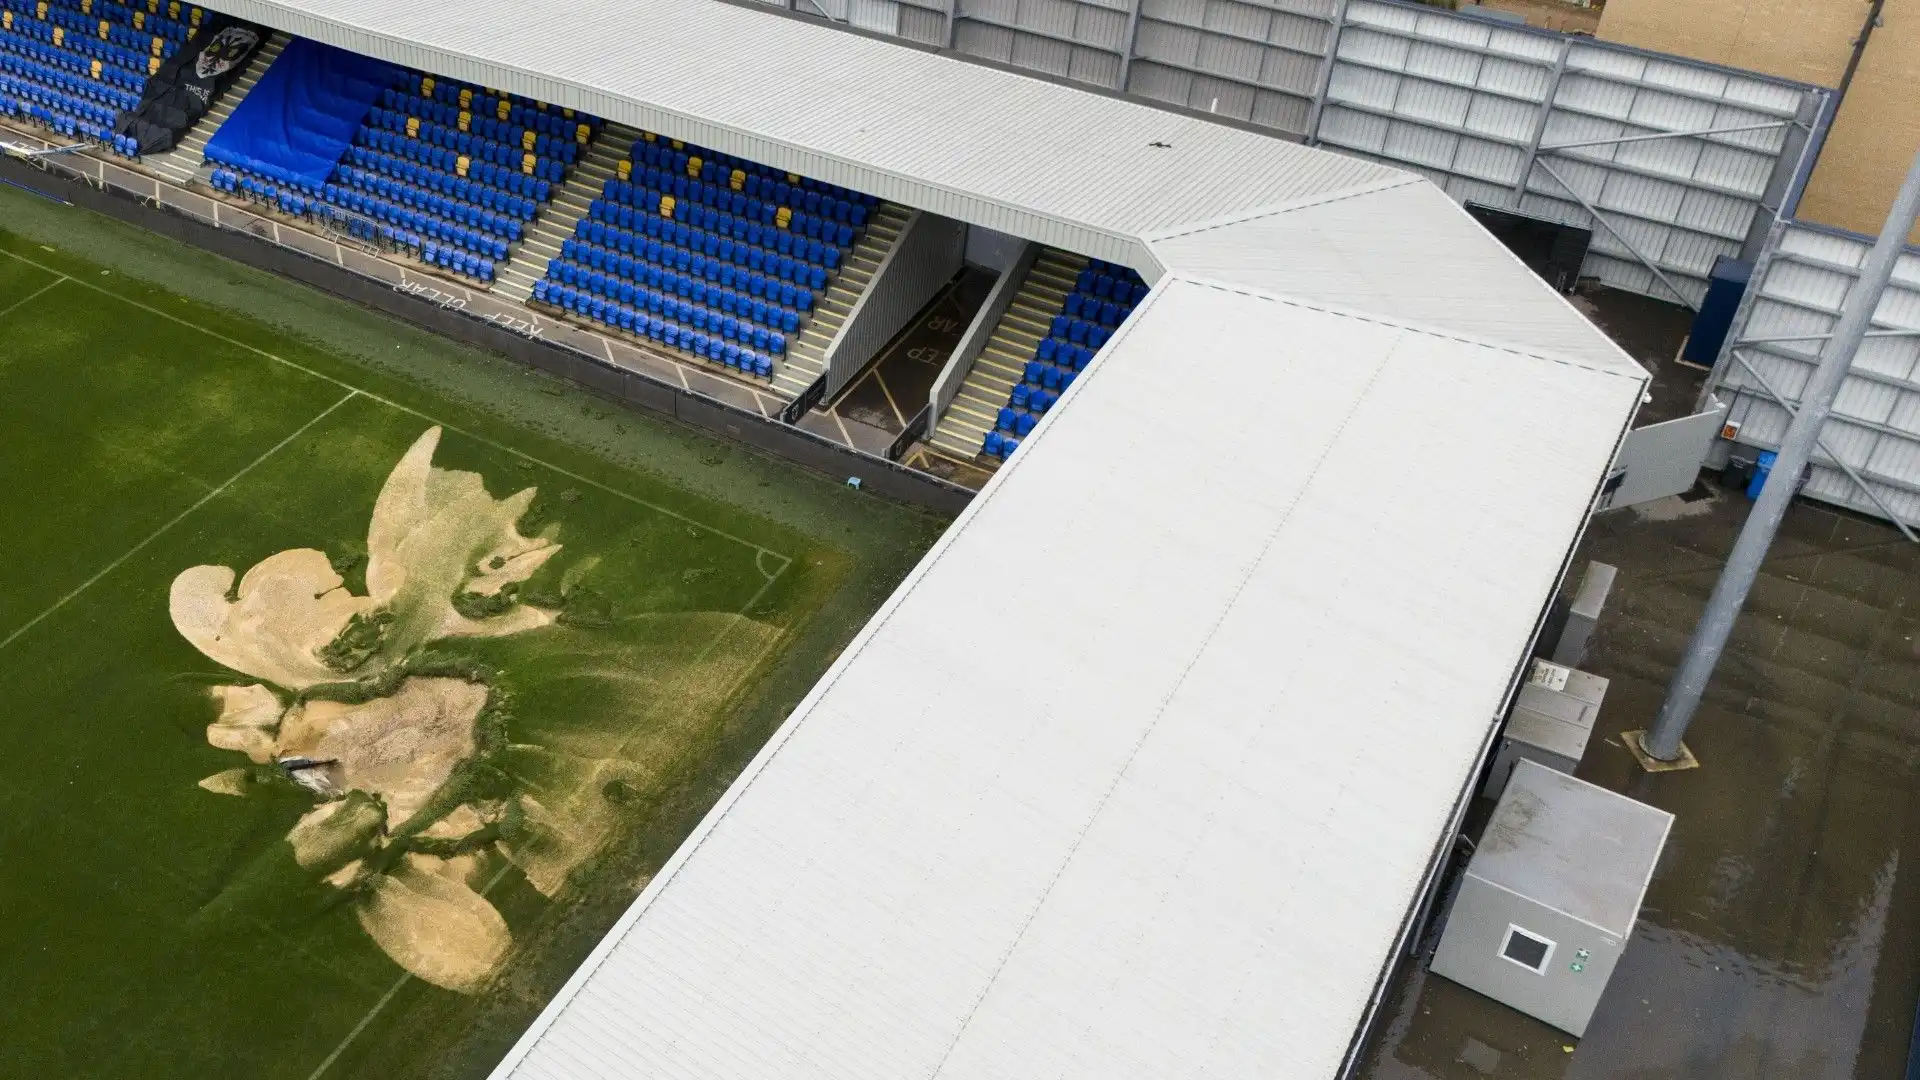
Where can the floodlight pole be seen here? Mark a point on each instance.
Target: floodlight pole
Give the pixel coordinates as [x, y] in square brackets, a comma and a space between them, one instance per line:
[1756, 536]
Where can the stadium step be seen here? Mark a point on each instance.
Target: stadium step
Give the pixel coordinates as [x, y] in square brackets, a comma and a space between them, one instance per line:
[181, 164]
[806, 355]
[556, 220]
[976, 408]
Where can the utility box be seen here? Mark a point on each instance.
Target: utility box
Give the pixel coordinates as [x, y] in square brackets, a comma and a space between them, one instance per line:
[1552, 719]
[1549, 899]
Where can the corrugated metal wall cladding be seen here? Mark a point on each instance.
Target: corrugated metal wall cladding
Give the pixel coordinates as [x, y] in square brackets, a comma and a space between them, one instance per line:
[984, 41]
[1231, 56]
[1717, 215]
[1291, 72]
[1514, 78]
[1694, 254]
[1240, 20]
[1493, 162]
[1641, 197]
[926, 27]
[1378, 50]
[1284, 111]
[1465, 189]
[1441, 105]
[1167, 42]
[1357, 131]
[1362, 86]
[1443, 64]
[1420, 145]
[1501, 118]
[1095, 67]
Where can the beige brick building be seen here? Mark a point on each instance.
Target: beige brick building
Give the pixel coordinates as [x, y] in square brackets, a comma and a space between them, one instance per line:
[1878, 128]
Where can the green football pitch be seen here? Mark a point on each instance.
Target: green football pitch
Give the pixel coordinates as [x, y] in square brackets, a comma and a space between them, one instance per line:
[361, 811]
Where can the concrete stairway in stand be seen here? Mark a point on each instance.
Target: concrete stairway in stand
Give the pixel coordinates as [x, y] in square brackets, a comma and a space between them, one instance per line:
[977, 407]
[557, 219]
[182, 163]
[806, 357]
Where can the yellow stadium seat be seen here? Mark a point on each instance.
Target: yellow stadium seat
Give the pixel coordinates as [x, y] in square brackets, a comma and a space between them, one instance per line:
[693, 167]
[666, 206]
[139, 20]
[94, 69]
[626, 170]
[782, 217]
[737, 180]
[527, 138]
[505, 109]
[582, 133]
[460, 165]
[413, 127]
[59, 35]
[527, 162]
[426, 86]
[465, 122]
[466, 98]
[105, 26]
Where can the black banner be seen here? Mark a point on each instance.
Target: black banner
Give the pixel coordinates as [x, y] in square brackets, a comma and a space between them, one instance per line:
[187, 85]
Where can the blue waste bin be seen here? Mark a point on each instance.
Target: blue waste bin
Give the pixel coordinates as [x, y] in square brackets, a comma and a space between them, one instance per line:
[1762, 467]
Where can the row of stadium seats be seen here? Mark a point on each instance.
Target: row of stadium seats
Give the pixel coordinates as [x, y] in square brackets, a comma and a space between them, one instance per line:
[72, 66]
[734, 217]
[493, 189]
[541, 157]
[401, 225]
[740, 354]
[95, 58]
[680, 247]
[456, 200]
[798, 193]
[754, 298]
[70, 105]
[705, 253]
[1103, 296]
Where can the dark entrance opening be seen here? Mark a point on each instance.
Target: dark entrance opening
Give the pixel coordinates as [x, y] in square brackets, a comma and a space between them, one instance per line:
[1550, 249]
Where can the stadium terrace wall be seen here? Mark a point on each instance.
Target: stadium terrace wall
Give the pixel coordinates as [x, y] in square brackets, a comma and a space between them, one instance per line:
[1514, 117]
[1869, 454]
[606, 367]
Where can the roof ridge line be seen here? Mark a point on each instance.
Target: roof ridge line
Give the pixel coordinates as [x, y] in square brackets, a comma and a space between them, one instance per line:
[1402, 324]
[1238, 217]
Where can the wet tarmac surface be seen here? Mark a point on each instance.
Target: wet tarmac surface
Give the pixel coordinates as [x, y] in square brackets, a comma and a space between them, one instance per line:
[1778, 938]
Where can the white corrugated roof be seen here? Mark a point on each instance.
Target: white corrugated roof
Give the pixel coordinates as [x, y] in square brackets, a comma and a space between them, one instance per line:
[1142, 770]
[1132, 779]
[1401, 248]
[1065, 166]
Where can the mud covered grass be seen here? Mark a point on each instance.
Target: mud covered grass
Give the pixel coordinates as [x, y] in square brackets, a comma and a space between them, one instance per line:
[161, 409]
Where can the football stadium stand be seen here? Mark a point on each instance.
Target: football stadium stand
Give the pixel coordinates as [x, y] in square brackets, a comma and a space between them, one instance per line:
[1182, 852]
[721, 258]
[73, 66]
[181, 165]
[449, 173]
[1066, 309]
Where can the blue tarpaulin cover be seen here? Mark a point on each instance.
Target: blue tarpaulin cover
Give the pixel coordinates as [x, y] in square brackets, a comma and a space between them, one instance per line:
[302, 114]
